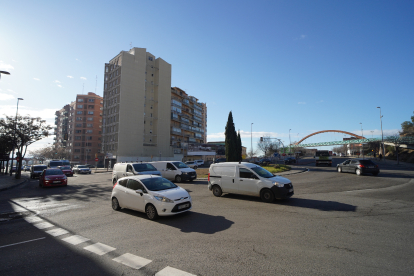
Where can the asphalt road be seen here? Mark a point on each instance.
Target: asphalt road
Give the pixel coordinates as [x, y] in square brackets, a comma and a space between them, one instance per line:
[335, 224]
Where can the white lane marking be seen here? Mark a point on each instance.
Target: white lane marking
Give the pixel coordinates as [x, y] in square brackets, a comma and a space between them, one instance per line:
[75, 239]
[170, 271]
[33, 219]
[22, 242]
[99, 248]
[57, 232]
[132, 260]
[43, 225]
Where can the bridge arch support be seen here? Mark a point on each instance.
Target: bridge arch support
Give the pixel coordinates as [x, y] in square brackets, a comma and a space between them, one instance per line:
[323, 131]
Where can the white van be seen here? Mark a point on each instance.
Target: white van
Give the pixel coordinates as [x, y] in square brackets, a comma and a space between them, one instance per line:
[247, 179]
[175, 170]
[127, 169]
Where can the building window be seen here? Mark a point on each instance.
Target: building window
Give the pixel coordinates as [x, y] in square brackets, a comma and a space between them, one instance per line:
[90, 112]
[78, 118]
[79, 112]
[80, 105]
[89, 125]
[78, 125]
[78, 138]
[90, 118]
[89, 131]
[80, 100]
[78, 131]
[150, 58]
[77, 150]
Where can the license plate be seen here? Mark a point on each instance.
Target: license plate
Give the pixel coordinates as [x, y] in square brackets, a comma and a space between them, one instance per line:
[371, 167]
[56, 181]
[183, 206]
[290, 190]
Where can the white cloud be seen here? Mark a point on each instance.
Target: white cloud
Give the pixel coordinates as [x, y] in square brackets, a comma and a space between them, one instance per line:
[56, 81]
[36, 79]
[70, 77]
[301, 102]
[11, 91]
[83, 78]
[60, 86]
[5, 66]
[5, 97]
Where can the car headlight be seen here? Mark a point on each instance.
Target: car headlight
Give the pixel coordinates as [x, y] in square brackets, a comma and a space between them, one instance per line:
[163, 199]
[189, 196]
[184, 173]
[47, 178]
[280, 185]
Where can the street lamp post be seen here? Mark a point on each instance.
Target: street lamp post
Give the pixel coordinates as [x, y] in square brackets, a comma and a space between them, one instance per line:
[251, 140]
[14, 136]
[290, 143]
[4, 72]
[382, 134]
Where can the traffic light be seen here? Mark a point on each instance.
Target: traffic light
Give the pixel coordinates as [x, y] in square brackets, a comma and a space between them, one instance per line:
[261, 139]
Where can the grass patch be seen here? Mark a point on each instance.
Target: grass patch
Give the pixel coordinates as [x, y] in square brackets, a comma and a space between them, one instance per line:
[277, 168]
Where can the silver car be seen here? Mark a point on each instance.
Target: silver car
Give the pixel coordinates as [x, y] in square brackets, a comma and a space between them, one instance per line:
[81, 169]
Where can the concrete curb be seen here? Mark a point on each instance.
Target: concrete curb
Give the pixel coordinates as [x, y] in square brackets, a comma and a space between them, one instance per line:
[13, 186]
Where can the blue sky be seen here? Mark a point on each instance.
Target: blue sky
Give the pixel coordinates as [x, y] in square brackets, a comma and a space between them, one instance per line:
[300, 65]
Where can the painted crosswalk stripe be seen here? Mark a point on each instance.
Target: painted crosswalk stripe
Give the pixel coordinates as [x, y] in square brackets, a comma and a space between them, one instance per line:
[170, 271]
[75, 239]
[43, 225]
[33, 219]
[132, 261]
[57, 232]
[99, 248]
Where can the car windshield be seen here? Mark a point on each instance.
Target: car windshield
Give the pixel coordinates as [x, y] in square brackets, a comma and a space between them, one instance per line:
[82, 167]
[262, 172]
[144, 167]
[158, 184]
[65, 168]
[180, 165]
[39, 168]
[322, 153]
[53, 172]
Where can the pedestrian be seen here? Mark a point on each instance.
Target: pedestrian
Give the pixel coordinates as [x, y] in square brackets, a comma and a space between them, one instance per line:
[380, 157]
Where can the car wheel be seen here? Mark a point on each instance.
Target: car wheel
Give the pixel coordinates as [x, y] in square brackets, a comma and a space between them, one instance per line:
[358, 171]
[267, 196]
[339, 169]
[90, 172]
[195, 167]
[217, 191]
[178, 178]
[151, 212]
[114, 181]
[115, 204]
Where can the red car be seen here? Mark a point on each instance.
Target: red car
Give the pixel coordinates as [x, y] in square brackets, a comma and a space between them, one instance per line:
[66, 170]
[52, 177]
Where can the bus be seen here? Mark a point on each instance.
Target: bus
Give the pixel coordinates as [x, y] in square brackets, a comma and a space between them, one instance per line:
[56, 163]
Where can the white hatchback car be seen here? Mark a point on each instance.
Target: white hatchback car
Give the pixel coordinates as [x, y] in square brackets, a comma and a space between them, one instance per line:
[154, 195]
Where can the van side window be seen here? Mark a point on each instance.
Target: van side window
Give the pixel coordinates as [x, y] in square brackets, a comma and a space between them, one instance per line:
[170, 167]
[129, 168]
[245, 173]
[123, 182]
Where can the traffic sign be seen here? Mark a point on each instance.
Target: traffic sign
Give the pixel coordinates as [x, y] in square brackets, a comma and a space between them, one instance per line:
[17, 159]
[96, 159]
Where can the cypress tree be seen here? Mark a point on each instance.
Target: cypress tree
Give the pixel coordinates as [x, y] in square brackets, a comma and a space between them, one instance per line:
[239, 147]
[231, 140]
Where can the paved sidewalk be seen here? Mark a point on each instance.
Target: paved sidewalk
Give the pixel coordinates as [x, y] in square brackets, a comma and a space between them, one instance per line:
[8, 182]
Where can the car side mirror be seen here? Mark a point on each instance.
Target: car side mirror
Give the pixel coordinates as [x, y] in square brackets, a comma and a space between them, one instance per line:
[139, 191]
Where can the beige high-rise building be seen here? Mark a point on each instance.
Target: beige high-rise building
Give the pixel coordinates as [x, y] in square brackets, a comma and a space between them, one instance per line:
[137, 108]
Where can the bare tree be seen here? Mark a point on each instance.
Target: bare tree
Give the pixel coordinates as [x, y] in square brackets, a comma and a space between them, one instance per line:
[267, 145]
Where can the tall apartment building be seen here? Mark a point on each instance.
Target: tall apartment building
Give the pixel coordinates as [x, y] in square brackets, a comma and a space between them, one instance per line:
[188, 122]
[79, 129]
[137, 108]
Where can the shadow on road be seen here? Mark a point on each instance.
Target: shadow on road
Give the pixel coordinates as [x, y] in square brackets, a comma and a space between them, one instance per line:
[318, 204]
[190, 222]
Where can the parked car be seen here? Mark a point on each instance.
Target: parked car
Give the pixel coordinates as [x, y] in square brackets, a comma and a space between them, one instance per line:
[52, 177]
[358, 166]
[27, 168]
[290, 160]
[264, 162]
[81, 169]
[67, 170]
[36, 170]
[152, 194]
[128, 169]
[192, 164]
[247, 179]
[199, 163]
[220, 160]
